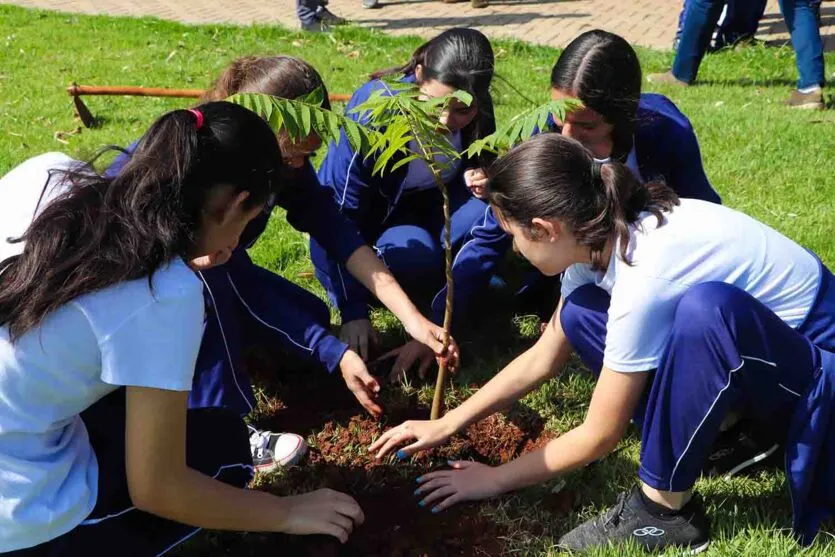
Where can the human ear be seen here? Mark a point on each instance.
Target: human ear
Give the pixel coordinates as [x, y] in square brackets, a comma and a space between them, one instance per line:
[545, 230]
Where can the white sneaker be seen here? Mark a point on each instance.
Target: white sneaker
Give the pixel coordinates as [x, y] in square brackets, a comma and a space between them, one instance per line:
[273, 450]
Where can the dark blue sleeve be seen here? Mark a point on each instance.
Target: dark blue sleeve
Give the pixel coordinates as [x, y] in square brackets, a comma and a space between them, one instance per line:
[473, 266]
[299, 319]
[686, 174]
[311, 209]
[121, 160]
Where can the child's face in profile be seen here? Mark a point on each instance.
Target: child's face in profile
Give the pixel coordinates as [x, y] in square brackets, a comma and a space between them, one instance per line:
[586, 126]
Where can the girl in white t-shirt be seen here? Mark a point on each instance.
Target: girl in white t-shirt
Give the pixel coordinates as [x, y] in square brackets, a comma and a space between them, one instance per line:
[684, 310]
[101, 316]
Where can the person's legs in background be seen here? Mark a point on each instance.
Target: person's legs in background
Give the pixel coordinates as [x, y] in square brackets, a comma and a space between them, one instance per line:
[801, 19]
[315, 17]
[742, 18]
[699, 23]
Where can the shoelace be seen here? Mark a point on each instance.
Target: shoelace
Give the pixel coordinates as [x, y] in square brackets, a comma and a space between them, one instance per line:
[612, 518]
[258, 441]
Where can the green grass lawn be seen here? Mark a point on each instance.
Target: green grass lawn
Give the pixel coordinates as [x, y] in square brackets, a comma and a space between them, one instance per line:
[770, 162]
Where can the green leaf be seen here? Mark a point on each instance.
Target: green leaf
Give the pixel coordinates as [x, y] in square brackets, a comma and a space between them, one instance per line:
[306, 117]
[463, 97]
[405, 160]
[315, 97]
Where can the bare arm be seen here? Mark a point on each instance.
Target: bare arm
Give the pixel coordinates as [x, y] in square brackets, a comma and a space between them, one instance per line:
[161, 483]
[543, 360]
[613, 402]
[370, 271]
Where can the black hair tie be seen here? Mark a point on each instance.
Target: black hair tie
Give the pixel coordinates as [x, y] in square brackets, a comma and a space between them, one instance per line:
[595, 171]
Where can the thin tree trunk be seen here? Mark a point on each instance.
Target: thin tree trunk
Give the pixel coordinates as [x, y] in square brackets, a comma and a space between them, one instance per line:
[440, 384]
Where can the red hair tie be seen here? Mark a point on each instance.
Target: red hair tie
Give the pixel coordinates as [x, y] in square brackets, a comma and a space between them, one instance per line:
[198, 115]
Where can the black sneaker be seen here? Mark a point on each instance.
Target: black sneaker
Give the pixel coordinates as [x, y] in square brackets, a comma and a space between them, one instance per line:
[736, 450]
[315, 26]
[329, 18]
[685, 530]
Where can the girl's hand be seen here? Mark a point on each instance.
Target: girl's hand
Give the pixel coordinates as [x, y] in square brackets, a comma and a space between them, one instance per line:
[364, 386]
[476, 181]
[431, 336]
[466, 481]
[359, 334]
[322, 512]
[427, 433]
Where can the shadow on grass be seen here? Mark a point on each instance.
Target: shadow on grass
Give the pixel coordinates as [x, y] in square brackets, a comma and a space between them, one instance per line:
[475, 20]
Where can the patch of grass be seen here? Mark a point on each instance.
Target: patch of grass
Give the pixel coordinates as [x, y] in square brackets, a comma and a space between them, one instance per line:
[770, 162]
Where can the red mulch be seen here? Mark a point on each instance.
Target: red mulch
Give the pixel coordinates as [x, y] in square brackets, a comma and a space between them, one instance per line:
[395, 525]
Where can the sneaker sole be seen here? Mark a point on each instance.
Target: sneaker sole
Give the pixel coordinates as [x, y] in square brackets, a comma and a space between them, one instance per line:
[750, 462]
[689, 551]
[299, 452]
[808, 106]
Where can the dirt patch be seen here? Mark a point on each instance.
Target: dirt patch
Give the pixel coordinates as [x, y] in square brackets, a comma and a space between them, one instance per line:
[340, 434]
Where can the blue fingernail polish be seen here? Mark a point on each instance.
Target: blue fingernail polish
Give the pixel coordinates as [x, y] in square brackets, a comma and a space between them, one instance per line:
[422, 504]
[420, 479]
[436, 510]
[401, 455]
[450, 462]
[417, 492]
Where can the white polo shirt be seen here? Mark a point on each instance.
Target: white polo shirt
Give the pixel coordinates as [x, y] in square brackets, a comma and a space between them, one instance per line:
[129, 334]
[698, 242]
[25, 191]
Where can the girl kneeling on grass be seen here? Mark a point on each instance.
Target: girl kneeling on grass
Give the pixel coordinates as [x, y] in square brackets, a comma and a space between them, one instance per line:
[400, 213]
[685, 310]
[101, 317]
[252, 305]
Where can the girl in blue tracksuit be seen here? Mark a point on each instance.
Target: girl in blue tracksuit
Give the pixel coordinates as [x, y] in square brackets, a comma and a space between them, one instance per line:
[646, 132]
[252, 305]
[685, 311]
[400, 213]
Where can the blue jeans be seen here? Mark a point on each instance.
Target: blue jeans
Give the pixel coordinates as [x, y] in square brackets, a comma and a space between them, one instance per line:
[701, 19]
[308, 10]
[742, 19]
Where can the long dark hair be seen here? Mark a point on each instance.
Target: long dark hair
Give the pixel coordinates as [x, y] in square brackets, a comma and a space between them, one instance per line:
[282, 76]
[461, 58]
[602, 70]
[554, 177]
[104, 231]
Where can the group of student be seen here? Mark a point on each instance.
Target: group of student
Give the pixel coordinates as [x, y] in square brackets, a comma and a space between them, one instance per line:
[127, 299]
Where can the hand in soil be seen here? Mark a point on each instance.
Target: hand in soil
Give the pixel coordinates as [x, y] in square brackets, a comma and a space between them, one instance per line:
[466, 481]
[359, 335]
[364, 386]
[427, 433]
[411, 353]
[323, 511]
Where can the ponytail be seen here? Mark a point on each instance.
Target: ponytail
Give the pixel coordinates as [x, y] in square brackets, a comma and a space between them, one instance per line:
[104, 230]
[551, 176]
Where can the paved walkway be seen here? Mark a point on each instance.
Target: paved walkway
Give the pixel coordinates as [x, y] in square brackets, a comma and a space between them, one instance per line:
[553, 22]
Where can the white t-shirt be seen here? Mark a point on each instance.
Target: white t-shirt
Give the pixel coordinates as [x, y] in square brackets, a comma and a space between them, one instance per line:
[420, 177]
[128, 334]
[698, 242]
[22, 189]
